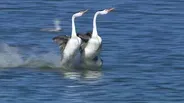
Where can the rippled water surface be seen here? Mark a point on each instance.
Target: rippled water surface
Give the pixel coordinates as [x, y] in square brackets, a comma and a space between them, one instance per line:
[143, 52]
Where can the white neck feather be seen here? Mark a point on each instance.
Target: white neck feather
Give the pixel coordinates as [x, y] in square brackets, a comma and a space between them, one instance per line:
[95, 33]
[73, 27]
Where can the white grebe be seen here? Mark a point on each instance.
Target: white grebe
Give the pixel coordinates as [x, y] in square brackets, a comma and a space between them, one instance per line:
[93, 46]
[73, 43]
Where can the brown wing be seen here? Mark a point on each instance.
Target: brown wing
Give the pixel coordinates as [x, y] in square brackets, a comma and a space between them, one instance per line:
[85, 37]
[61, 41]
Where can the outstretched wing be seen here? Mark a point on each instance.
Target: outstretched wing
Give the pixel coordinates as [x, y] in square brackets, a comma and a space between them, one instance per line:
[61, 41]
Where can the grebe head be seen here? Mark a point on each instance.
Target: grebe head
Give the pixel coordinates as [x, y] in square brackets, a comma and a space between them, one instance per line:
[80, 13]
[106, 11]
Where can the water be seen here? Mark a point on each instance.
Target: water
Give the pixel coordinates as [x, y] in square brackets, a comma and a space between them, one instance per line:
[143, 52]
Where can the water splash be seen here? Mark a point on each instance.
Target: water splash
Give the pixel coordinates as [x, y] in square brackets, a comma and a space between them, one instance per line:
[50, 60]
[11, 57]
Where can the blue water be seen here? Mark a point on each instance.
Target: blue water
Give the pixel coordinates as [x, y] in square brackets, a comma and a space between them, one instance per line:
[143, 52]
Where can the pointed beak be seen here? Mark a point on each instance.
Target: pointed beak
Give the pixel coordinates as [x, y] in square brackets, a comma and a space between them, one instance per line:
[111, 9]
[84, 11]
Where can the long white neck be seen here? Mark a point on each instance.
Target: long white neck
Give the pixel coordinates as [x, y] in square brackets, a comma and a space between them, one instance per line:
[95, 33]
[73, 27]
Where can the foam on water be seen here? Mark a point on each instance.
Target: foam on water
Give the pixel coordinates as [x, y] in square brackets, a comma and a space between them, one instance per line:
[43, 60]
[11, 57]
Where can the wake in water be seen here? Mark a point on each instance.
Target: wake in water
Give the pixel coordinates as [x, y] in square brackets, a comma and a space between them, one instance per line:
[11, 57]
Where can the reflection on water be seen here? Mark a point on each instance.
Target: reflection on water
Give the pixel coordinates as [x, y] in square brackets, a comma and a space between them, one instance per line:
[85, 75]
[81, 71]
